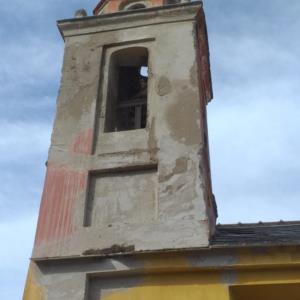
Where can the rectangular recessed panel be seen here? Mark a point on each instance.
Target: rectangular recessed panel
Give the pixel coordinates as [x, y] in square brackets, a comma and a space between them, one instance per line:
[100, 288]
[274, 291]
[187, 286]
[126, 196]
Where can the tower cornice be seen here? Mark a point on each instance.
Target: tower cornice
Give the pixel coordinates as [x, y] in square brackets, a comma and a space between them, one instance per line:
[130, 19]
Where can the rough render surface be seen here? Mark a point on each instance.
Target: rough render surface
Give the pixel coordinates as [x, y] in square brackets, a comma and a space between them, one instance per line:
[171, 160]
[185, 275]
[163, 198]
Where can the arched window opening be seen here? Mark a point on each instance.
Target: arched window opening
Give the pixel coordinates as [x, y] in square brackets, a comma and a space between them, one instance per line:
[132, 5]
[127, 90]
[136, 6]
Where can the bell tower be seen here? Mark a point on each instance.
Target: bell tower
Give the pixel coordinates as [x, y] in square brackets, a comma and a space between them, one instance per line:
[128, 169]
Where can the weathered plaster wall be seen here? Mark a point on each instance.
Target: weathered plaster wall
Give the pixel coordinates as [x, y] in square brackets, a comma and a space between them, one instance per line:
[208, 274]
[162, 198]
[166, 208]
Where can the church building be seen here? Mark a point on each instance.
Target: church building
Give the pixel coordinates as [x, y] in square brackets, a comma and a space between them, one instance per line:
[127, 211]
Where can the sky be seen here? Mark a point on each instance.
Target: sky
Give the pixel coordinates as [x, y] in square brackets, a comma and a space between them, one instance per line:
[254, 118]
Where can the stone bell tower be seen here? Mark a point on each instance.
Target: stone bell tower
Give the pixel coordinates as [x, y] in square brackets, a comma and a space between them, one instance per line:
[128, 169]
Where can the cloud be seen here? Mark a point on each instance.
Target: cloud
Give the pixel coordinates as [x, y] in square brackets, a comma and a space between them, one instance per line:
[254, 118]
[23, 140]
[38, 61]
[29, 78]
[29, 71]
[17, 235]
[250, 60]
[23, 152]
[31, 57]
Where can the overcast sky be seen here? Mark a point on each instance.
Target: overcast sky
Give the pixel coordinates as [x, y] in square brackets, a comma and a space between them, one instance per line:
[254, 119]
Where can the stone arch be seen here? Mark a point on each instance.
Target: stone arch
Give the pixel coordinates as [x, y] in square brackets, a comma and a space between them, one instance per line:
[133, 4]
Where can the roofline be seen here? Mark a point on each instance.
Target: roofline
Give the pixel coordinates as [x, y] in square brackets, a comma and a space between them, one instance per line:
[260, 223]
[180, 251]
[103, 2]
[97, 8]
[143, 10]
[80, 24]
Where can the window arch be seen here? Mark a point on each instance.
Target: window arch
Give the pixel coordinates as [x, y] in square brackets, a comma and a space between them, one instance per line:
[132, 5]
[126, 104]
[136, 6]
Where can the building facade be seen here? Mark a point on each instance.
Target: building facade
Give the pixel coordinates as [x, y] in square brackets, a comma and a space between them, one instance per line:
[127, 210]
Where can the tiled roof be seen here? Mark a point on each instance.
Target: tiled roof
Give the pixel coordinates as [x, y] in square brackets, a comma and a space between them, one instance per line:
[258, 234]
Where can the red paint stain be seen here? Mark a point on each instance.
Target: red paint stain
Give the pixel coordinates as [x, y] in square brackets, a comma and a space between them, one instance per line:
[203, 59]
[61, 191]
[83, 142]
[112, 6]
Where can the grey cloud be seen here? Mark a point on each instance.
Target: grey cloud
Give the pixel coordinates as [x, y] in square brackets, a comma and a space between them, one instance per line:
[254, 119]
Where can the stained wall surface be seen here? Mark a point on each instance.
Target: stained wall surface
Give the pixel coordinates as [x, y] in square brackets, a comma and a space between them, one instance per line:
[224, 274]
[138, 190]
[122, 211]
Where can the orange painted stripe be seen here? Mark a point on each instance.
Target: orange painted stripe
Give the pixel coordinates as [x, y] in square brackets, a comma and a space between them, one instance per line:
[61, 192]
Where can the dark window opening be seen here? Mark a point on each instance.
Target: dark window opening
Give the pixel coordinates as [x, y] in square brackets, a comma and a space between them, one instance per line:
[136, 6]
[172, 1]
[127, 98]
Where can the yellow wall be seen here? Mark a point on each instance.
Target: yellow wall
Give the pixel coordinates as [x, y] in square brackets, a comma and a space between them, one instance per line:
[213, 285]
[32, 290]
[250, 274]
[174, 287]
